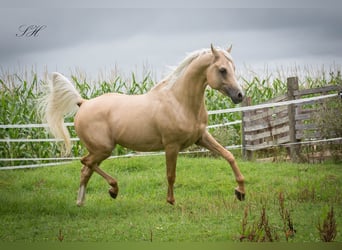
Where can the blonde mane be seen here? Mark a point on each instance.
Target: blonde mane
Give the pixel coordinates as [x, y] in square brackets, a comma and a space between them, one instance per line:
[171, 78]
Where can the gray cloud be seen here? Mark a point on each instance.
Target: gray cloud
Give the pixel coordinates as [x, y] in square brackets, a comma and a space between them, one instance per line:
[171, 4]
[95, 38]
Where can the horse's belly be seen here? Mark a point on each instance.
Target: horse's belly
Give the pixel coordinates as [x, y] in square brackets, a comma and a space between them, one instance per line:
[136, 134]
[141, 142]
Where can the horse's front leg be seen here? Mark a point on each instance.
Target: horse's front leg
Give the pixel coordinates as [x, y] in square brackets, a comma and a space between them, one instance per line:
[171, 154]
[210, 143]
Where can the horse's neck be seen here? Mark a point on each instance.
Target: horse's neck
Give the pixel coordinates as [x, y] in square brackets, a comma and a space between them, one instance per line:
[190, 87]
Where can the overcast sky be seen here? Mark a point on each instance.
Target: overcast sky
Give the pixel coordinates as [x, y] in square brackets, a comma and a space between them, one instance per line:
[97, 39]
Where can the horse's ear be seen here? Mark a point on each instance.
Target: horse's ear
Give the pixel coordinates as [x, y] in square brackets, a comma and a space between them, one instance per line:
[230, 49]
[214, 51]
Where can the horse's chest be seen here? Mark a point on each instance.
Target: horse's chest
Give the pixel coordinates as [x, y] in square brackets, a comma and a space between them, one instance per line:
[192, 137]
[186, 135]
[181, 126]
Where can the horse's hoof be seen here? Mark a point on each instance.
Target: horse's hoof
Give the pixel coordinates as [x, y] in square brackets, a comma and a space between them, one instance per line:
[239, 195]
[112, 193]
[172, 202]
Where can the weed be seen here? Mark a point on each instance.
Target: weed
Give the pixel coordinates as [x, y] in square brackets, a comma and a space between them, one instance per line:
[60, 235]
[260, 231]
[285, 215]
[328, 229]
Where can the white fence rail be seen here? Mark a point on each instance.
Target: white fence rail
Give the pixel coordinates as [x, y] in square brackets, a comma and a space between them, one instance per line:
[68, 159]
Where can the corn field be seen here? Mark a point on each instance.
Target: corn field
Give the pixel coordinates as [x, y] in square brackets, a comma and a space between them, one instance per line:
[20, 92]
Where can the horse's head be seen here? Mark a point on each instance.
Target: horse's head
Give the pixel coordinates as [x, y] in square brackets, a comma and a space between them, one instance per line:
[221, 75]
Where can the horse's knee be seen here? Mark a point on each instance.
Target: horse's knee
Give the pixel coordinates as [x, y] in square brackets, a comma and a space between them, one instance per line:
[171, 179]
[231, 158]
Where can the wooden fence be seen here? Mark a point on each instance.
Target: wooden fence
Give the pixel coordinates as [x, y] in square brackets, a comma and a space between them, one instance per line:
[287, 125]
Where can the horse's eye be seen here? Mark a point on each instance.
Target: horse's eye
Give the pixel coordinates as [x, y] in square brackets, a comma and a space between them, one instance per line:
[223, 71]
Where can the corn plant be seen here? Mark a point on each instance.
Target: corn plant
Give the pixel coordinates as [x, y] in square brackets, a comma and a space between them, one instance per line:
[20, 92]
[19, 97]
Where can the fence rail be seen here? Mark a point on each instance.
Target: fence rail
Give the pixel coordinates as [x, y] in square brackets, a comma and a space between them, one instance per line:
[283, 120]
[275, 124]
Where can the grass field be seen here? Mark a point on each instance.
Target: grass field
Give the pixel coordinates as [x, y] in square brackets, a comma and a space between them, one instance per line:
[40, 204]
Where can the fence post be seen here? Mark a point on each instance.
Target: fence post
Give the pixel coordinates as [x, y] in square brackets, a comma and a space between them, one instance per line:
[292, 86]
[246, 154]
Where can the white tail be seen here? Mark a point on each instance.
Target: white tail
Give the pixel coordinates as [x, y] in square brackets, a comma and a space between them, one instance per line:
[61, 100]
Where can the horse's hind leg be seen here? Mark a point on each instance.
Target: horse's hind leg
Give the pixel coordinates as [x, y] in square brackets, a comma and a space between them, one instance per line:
[86, 173]
[114, 190]
[91, 163]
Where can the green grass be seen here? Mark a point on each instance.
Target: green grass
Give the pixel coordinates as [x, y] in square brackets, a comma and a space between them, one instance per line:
[40, 204]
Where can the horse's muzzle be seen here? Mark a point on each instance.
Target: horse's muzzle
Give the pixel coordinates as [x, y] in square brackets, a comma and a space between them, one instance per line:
[236, 95]
[238, 98]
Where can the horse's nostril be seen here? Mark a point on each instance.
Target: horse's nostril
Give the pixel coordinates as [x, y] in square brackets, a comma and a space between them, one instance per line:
[238, 97]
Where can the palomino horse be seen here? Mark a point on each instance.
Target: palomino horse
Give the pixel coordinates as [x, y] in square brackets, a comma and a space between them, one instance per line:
[170, 117]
